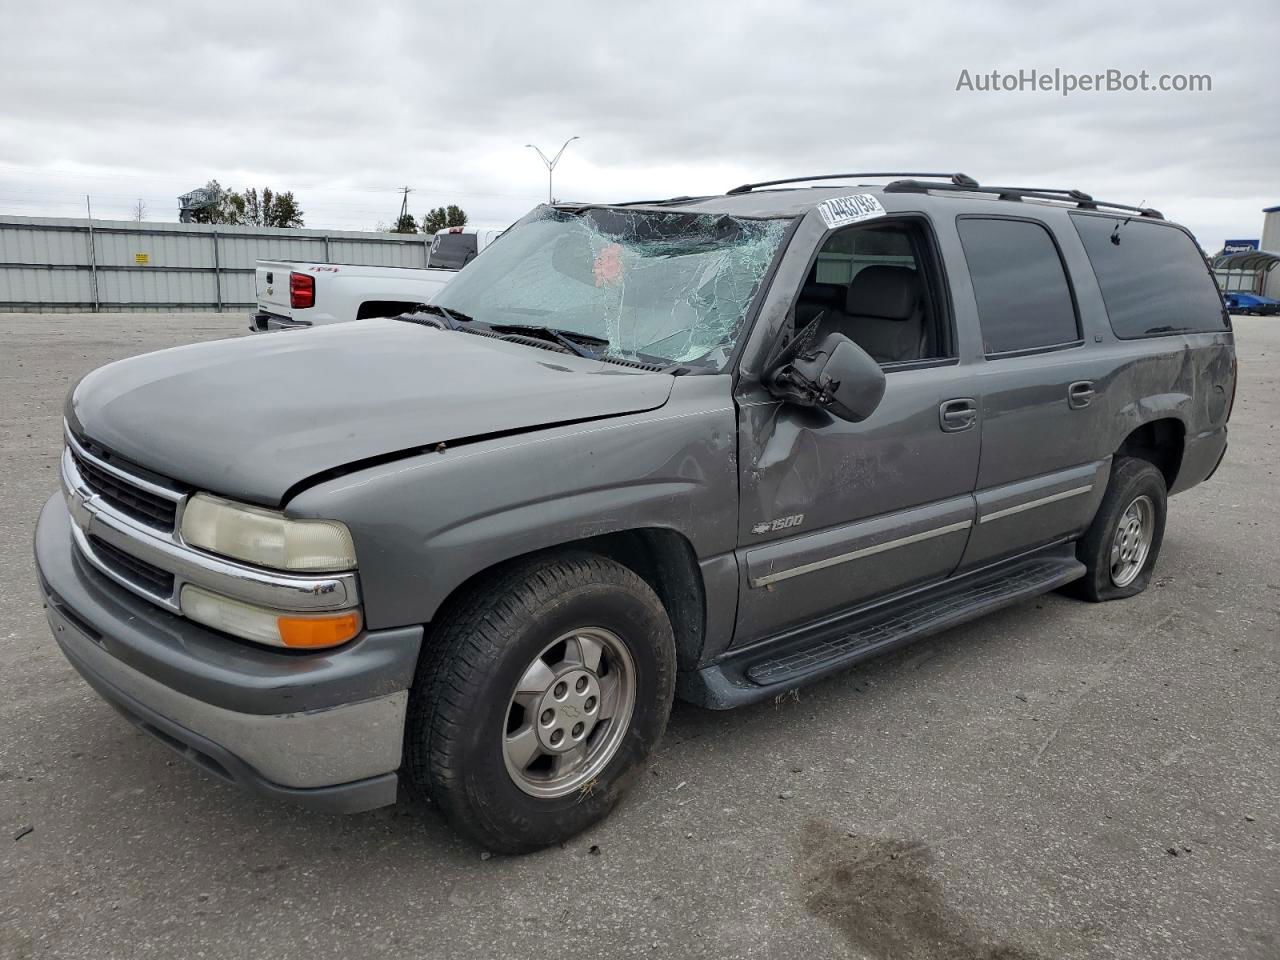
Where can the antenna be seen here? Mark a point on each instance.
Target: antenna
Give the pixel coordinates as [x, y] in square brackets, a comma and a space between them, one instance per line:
[1115, 234]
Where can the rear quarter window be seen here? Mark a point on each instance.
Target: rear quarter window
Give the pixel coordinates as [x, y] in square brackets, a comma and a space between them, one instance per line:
[1152, 275]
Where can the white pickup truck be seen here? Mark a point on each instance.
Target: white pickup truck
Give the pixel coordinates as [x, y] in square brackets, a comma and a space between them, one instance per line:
[293, 295]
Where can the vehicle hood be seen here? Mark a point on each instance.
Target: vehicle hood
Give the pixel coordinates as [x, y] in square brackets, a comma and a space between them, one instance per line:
[251, 418]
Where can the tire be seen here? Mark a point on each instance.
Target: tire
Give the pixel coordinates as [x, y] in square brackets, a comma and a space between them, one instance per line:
[467, 719]
[1136, 486]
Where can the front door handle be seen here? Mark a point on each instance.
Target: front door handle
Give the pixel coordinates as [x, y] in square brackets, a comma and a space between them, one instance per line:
[1080, 394]
[956, 415]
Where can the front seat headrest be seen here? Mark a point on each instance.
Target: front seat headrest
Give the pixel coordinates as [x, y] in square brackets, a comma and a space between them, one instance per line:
[884, 291]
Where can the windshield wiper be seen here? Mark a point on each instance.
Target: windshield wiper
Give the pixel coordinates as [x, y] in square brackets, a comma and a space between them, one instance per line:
[571, 340]
[453, 318]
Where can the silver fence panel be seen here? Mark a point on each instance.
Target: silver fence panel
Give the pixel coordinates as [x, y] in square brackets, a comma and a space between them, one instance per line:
[50, 264]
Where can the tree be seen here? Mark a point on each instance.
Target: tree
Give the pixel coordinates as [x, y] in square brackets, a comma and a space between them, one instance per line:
[249, 208]
[285, 212]
[405, 224]
[269, 210]
[140, 210]
[230, 209]
[441, 217]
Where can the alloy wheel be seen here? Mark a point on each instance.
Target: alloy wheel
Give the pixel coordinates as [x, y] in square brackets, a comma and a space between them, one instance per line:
[569, 713]
[1132, 541]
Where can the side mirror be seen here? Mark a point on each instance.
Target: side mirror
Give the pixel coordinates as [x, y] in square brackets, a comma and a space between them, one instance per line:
[835, 375]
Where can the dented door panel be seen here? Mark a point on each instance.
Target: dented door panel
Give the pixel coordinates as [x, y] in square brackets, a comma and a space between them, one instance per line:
[888, 479]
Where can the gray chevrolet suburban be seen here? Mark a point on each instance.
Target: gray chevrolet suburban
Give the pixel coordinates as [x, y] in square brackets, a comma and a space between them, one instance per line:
[713, 447]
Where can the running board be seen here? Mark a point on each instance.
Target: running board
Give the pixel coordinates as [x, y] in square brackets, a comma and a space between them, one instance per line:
[766, 670]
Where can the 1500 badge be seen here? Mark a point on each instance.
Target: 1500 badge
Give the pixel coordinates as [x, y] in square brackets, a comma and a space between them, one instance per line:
[782, 523]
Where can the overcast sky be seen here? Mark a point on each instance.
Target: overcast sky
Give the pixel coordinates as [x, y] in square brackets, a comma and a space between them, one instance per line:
[344, 103]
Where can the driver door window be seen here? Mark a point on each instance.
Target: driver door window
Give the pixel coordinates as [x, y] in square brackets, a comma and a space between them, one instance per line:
[875, 285]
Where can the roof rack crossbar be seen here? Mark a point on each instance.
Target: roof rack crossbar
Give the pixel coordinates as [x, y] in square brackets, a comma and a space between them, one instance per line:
[1079, 197]
[955, 178]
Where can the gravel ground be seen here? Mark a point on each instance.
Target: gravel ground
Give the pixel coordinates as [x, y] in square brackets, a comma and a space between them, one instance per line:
[1058, 780]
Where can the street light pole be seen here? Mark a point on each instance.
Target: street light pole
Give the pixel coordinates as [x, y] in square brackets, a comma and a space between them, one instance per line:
[551, 164]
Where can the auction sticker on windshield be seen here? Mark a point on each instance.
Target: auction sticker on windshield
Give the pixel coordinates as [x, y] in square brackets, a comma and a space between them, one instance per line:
[840, 211]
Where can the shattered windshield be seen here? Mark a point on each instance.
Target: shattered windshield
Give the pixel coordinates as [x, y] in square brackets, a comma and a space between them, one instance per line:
[667, 288]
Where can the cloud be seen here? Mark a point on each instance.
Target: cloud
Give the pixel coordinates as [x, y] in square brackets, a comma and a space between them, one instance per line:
[344, 103]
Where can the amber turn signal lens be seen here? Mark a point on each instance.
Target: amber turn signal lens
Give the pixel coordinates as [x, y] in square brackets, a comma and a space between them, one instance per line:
[313, 632]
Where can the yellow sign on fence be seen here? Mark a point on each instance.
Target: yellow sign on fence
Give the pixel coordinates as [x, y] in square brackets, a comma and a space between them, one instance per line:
[142, 258]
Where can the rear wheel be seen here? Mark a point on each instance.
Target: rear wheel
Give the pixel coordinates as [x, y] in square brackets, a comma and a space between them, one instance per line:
[1119, 549]
[540, 695]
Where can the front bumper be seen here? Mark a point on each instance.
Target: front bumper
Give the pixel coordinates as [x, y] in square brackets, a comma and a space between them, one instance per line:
[323, 729]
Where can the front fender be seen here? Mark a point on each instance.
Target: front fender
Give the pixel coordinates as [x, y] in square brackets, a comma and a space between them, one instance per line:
[426, 524]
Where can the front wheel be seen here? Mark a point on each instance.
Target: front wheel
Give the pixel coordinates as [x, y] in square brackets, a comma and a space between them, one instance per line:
[1119, 549]
[537, 699]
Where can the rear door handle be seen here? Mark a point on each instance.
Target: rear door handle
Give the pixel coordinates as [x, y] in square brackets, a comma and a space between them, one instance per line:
[1080, 394]
[956, 415]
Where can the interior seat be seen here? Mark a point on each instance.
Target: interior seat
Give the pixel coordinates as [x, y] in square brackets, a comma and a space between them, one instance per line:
[883, 314]
[819, 298]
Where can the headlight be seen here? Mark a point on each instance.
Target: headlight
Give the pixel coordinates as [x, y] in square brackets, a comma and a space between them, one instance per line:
[266, 538]
[294, 630]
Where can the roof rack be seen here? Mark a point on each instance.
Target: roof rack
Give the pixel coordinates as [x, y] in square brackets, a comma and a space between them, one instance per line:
[957, 179]
[656, 203]
[1079, 197]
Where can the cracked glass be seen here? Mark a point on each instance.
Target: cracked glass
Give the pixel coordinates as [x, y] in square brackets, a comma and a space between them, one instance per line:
[662, 287]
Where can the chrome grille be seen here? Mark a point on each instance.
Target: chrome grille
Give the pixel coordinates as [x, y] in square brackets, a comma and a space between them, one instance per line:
[149, 508]
[142, 574]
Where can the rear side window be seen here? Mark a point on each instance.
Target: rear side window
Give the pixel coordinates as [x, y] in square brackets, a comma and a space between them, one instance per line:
[1024, 300]
[1153, 277]
[452, 251]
